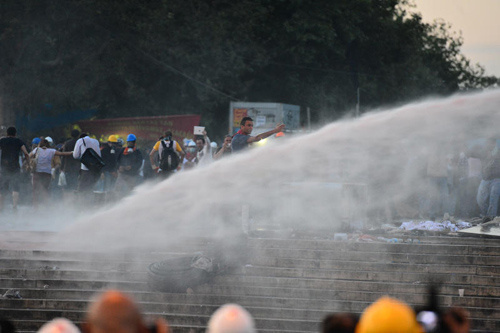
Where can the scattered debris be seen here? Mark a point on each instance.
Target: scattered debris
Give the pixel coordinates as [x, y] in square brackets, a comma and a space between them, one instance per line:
[434, 226]
[181, 273]
[486, 227]
[367, 238]
[340, 236]
[12, 293]
[49, 268]
[203, 262]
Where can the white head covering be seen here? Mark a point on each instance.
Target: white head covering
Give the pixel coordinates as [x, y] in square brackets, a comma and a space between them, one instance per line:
[49, 139]
[231, 318]
[59, 325]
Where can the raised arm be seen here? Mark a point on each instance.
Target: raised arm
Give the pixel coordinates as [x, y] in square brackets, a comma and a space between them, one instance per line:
[208, 147]
[64, 153]
[220, 152]
[264, 135]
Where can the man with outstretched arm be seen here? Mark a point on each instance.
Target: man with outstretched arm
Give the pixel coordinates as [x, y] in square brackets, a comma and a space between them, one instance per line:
[242, 139]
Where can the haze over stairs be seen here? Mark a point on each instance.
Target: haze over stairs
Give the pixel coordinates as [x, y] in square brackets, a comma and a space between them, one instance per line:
[286, 284]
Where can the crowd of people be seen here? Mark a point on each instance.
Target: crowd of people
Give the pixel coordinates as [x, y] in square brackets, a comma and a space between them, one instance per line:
[460, 179]
[115, 311]
[63, 168]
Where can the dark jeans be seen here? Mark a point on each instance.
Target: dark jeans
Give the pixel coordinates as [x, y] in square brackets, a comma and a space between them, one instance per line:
[86, 184]
[87, 180]
[41, 183]
[9, 180]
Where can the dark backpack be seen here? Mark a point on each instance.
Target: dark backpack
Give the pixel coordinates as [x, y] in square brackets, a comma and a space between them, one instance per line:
[92, 160]
[169, 160]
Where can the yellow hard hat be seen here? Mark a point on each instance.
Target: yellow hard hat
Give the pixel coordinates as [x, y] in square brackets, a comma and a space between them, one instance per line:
[113, 138]
[388, 315]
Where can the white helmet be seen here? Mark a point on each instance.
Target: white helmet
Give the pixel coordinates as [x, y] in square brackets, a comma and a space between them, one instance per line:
[50, 141]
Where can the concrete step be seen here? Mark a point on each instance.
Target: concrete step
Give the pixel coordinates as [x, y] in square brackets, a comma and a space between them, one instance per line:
[346, 291]
[395, 257]
[198, 320]
[475, 249]
[13, 283]
[197, 309]
[72, 274]
[350, 302]
[73, 265]
[126, 257]
[478, 275]
[289, 285]
[482, 247]
[361, 275]
[49, 265]
[346, 284]
[377, 266]
[263, 281]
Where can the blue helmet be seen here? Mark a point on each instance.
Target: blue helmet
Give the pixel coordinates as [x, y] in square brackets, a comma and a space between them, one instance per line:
[131, 137]
[35, 141]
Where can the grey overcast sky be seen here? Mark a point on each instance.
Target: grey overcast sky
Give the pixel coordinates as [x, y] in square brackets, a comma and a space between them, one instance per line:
[479, 22]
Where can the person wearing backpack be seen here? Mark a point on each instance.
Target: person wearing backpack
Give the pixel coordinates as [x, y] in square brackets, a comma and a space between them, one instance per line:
[170, 155]
[129, 164]
[87, 178]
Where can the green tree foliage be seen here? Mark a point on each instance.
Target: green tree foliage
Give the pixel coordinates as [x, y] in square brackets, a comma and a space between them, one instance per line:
[156, 57]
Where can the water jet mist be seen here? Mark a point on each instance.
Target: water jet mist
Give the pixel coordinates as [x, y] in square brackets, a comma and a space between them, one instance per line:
[294, 182]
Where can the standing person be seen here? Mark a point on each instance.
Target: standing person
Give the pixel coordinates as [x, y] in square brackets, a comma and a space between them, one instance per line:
[242, 139]
[190, 159]
[10, 173]
[87, 178]
[168, 151]
[129, 164]
[437, 180]
[488, 193]
[225, 150]
[204, 154]
[109, 155]
[70, 166]
[42, 175]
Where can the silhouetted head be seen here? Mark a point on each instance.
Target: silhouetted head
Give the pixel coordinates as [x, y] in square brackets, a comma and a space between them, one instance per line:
[115, 312]
[339, 323]
[75, 133]
[11, 131]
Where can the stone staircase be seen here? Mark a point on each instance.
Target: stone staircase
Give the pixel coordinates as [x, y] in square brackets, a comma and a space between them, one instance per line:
[287, 284]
